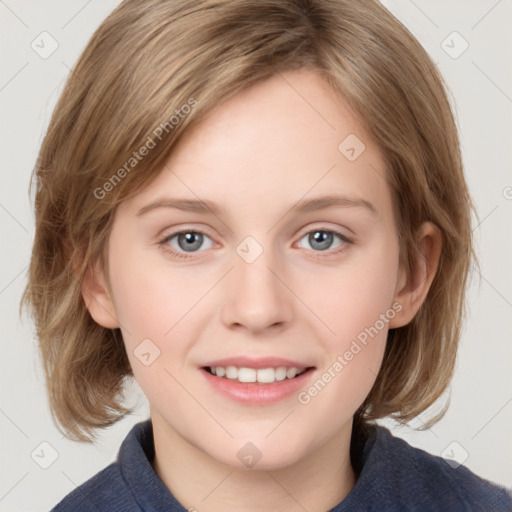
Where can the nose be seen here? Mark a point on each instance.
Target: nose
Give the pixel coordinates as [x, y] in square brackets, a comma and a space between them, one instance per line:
[255, 296]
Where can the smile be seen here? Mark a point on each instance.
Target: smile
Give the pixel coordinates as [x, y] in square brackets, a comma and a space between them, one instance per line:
[260, 375]
[257, 386]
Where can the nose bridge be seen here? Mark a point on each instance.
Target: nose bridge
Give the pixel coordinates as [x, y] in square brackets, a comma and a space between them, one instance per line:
[256, 298]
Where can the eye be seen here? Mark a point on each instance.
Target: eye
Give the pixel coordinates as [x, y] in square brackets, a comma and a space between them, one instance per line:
[321, 240]
[182, 242]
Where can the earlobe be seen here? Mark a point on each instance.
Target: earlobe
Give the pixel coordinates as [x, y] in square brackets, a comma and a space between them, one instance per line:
[411, 291]
[97, 298]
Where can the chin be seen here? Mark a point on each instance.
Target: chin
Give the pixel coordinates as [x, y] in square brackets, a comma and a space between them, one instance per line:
[259, 454]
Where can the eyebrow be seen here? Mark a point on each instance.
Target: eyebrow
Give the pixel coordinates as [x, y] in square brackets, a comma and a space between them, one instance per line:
[206, 206]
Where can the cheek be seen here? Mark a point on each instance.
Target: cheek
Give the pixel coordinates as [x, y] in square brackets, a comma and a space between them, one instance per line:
[355, 304]
[161, 314]
[356, 310]
[149, 300]
[353, 296]
[154, 312]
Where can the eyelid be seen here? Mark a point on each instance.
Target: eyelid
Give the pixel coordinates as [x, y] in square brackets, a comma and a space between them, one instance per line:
[169, 232]
[322, 226]
[163, 243]
[172, 234]
[302, 233]
[342, 248]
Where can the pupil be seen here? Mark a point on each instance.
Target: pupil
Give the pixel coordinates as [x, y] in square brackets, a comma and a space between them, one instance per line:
[193, 241]
[322, 238]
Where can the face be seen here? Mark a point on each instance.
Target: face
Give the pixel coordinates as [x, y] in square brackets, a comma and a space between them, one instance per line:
[268, 276]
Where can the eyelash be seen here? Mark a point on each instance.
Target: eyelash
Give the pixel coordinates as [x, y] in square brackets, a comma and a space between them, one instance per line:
[318, 254]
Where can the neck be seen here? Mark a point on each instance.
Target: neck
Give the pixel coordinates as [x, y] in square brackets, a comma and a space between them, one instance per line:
[317, 482]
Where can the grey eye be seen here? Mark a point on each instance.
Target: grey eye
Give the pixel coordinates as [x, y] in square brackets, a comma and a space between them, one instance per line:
[188, 241]
[322, 239]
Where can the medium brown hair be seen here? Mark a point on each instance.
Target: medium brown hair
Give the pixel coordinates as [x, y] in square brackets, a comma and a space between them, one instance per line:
[148, 60]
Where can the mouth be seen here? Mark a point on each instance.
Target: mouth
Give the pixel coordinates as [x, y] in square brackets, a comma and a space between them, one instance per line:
[261, 376]
[257, 381]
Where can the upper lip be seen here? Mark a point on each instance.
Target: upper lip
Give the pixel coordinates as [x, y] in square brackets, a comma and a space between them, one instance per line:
[257, 363]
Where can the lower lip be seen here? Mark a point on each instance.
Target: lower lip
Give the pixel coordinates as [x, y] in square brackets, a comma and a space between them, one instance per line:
[254, 393]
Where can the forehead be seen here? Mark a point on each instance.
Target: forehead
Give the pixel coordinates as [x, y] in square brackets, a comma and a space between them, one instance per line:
[280, 141]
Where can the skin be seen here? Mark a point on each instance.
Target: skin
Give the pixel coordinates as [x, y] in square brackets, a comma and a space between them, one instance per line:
[257, 155]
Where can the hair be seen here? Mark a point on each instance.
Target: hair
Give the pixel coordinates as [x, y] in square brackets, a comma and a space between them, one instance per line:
[154, 69]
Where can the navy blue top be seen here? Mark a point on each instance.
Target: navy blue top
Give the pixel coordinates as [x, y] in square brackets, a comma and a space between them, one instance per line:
[391, 476]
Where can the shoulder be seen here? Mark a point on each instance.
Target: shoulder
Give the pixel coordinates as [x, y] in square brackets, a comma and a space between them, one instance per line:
[112, 489]
[402, 477]
[434, 481]
[105, 491]
[129, 484]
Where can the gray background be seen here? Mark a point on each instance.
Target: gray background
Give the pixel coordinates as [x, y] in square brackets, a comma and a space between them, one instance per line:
[477, 425]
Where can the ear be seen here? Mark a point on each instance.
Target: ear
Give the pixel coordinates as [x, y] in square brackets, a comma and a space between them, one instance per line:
[412, 290]
[97, 298]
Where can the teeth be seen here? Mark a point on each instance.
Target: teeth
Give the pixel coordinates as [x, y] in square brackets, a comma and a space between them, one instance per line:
[262, 375]
[281, 373]
[247, 375]
[291, 372]
[231, 372]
